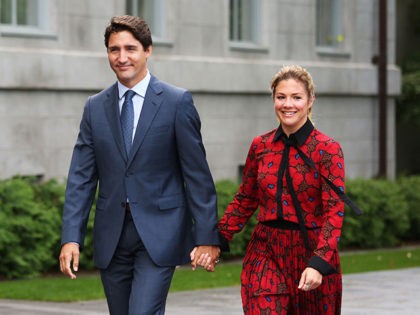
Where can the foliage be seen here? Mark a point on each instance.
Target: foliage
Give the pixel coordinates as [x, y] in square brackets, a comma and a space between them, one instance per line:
[51, 195]
[385, 214]
[388, 219]
[226, 190]
[28, 229]
[408, 104]
[30, 221]
[410, 190]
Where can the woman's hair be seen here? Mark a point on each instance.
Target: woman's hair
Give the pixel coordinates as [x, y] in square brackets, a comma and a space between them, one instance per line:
[133, 24]
[297, 73]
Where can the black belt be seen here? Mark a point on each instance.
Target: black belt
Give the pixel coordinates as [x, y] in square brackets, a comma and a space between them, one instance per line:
[284, 225]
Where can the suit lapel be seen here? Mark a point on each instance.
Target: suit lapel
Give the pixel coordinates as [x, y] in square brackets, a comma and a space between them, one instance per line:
[151, 105]
[113, 116]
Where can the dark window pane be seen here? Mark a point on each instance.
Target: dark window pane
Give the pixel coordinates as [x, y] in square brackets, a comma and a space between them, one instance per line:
[22, 12]
[5, 11]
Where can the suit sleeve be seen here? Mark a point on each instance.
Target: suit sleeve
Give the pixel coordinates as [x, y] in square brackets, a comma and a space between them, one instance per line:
[201, 193]
[81, 184]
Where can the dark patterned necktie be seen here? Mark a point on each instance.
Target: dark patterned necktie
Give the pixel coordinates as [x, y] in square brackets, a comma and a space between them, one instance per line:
[127, 119]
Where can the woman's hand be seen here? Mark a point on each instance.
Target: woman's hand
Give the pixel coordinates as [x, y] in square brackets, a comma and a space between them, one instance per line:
[205, 256]
[310, 279]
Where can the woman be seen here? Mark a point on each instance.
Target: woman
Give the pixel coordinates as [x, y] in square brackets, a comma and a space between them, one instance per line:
[295, 176]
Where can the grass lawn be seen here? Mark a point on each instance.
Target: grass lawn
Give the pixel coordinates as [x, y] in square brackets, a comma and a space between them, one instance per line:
[88, 286]
[355, 262]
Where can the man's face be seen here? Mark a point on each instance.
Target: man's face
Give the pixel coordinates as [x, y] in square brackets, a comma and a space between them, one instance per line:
[127, 58]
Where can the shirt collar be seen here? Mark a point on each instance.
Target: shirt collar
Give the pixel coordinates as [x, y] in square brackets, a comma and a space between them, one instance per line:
[299, 136]
[140, 88]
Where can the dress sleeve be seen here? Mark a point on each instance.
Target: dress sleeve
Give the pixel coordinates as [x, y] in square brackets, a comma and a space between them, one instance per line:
[332, 167]
[245, 201]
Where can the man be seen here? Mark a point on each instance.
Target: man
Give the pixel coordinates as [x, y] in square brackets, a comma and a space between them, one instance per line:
[156, 198]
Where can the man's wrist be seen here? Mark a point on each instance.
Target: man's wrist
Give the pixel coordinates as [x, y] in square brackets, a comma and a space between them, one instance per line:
[75, 243]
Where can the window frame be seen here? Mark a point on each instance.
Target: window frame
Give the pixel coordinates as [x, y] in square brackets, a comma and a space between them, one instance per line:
[335, 30]
[254, 23]
[254, 44]
[42, 28]
[156, 22]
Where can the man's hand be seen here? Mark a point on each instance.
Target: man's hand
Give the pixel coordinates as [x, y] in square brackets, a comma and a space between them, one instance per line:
[206, 256]
[69, 252]
[310, 279]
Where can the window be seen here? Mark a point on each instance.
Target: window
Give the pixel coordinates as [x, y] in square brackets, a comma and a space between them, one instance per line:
[152, 12]
[244, 21]
[329, 23]
[24, 16]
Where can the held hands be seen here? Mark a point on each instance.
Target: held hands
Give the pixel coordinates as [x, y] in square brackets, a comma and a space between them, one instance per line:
[206, 256]
[69, 252]
[310, 279]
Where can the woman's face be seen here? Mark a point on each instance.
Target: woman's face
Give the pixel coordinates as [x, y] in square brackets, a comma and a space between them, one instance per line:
[291, 105]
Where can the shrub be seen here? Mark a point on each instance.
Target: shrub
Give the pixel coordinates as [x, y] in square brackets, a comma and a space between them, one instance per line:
[30, 221]
[385, 214]
[226, 190]
[408, 109]
[388, 217]
[51, 194]
[27, 230]
[410, 190]
[30, 228]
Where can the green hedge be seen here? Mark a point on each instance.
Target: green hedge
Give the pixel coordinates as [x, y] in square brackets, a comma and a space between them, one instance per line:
[225, 192]
[410, 189]
[391, 214]
[30, 228]
[30, 221]
[385, 219]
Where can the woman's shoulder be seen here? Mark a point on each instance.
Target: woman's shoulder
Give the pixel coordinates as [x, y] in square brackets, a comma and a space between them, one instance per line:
[263, 138]
[323, 137]
[326, 142]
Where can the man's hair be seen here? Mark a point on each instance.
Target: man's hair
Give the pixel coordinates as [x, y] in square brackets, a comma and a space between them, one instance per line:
[133, 24]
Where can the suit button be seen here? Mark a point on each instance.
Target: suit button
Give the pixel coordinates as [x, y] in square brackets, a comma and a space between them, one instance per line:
[123, 205]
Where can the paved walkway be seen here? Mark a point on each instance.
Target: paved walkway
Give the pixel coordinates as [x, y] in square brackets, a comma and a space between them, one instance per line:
[394, 292]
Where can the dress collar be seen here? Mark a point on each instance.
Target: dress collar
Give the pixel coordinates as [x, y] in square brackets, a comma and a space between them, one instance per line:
[299, 137]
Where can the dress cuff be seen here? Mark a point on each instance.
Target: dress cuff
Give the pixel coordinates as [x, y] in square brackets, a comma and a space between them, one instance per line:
[224, 243]
[321, 265]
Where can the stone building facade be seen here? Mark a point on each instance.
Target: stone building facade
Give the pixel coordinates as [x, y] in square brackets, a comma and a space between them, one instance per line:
[52, 57]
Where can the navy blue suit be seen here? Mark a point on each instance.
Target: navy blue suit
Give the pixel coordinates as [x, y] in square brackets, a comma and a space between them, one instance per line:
[166, 178]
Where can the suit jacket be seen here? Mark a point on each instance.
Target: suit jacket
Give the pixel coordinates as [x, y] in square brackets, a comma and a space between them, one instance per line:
[166, 177]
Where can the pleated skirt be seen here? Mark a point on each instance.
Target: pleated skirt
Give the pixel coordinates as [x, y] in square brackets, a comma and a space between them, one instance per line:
[273, 264]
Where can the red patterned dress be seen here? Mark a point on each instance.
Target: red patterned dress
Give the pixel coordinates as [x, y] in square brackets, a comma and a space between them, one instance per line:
[299, 222]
